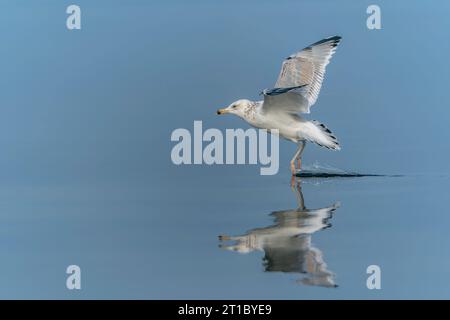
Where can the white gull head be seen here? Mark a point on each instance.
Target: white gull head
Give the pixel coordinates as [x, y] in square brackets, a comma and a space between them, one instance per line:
[240, 108]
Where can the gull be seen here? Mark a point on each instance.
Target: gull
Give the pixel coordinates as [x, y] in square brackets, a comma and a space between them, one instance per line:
[295, 91]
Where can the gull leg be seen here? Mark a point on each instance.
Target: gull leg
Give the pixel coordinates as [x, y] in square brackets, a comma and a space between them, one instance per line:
[293, 182]
[293, 160]
[293, 168]
[297, 155]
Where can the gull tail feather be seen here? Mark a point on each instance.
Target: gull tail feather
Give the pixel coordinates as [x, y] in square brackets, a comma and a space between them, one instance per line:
[322, 136]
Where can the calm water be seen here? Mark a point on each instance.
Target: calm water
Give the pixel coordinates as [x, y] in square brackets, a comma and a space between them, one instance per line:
[288, 247]
[87, 179]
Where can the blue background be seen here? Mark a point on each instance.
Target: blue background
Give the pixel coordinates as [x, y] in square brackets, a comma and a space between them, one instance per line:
[85, 170]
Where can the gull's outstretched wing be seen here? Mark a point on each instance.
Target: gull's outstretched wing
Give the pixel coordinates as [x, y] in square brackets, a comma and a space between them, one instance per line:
[302, 73]
[292, 101]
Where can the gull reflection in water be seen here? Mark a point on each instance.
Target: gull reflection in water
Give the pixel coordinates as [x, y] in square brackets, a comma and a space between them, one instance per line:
[287, 243]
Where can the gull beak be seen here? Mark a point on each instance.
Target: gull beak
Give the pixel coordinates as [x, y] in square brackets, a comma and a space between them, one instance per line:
[222, 111]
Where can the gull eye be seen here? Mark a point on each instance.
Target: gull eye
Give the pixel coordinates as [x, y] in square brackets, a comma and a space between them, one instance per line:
[234, 107]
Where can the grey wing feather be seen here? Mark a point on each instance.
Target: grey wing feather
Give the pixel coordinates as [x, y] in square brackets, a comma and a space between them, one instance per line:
[292, 101]
[277, 91]
[306, 68]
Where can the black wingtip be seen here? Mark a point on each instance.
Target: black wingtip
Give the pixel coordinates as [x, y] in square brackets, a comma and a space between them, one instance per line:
[335, 38]
[334, 41]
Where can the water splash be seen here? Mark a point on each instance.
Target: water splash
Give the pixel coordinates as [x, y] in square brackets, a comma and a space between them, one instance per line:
[317, 170]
